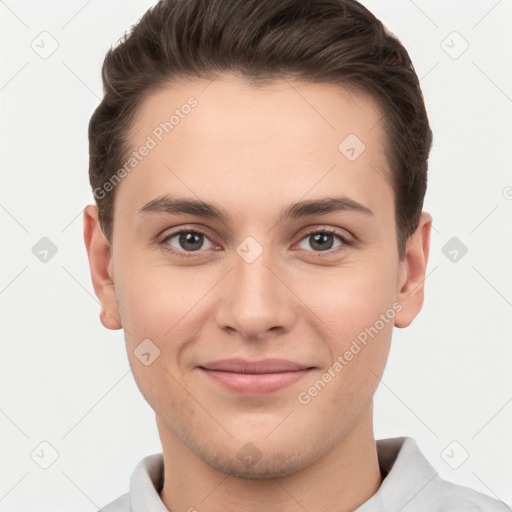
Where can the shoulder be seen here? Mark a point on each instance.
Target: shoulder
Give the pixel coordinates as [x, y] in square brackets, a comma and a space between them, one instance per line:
[121, 504]
[447, 496]
[145, 483]
[412, 484]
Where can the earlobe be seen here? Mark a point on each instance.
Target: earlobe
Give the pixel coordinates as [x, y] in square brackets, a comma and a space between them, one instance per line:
[108, 321]
[412, 272]
[101, 268]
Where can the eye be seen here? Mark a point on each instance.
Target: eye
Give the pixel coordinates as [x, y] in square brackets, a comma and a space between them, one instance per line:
[323, 240]
[185, 241]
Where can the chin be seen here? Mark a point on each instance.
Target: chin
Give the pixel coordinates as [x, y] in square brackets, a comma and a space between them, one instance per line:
[260, 458]
[263, 466]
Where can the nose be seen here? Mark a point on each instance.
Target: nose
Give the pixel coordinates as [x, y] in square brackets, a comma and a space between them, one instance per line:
[256, 303]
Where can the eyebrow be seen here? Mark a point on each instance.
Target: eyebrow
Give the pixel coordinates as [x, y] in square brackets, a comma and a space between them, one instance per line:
[170, 205]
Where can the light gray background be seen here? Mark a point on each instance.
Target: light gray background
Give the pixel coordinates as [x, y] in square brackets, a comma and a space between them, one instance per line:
[66, 380]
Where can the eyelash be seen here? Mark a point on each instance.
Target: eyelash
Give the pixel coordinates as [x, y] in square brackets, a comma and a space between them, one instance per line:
[162, 242]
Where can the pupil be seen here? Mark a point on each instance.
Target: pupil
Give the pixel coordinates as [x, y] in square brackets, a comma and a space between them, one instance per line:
[189, 241]
[190, 238]
[321, 238]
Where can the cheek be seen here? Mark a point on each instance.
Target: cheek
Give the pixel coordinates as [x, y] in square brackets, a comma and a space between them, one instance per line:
[357, 304]
[156, 306]
[358, 345]
[155, 301]
[350, 298]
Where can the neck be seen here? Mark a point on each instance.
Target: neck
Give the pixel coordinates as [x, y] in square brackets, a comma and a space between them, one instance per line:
[339, 482]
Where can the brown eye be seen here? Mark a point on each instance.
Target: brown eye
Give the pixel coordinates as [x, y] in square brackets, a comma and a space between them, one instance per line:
[185, 241]
[323, 240]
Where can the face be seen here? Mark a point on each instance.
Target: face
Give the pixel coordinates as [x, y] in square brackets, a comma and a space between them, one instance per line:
[250, 276]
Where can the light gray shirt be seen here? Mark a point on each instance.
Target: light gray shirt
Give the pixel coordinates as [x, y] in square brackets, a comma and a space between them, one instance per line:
[410, 484]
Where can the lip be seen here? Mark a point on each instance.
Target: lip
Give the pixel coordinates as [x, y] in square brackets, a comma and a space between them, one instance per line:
[254, 377]
[239, 365]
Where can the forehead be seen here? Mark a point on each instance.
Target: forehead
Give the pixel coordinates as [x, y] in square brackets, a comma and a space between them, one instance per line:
[230, 138]
[246, 110]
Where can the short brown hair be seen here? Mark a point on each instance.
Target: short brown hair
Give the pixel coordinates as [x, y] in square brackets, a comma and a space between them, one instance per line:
[321, 41]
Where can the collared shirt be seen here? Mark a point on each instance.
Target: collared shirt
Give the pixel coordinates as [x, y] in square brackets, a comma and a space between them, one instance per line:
[410, 484]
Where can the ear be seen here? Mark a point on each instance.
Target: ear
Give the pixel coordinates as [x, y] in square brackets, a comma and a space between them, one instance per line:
[412, 272]
[100, 264]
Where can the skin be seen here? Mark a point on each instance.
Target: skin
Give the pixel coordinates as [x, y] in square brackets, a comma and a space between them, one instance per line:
[253, 152]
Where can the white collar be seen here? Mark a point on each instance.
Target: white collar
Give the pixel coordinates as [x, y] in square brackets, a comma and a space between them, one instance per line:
[409, 484]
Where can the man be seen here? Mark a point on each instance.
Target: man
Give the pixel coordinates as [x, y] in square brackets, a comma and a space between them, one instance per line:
[259, 168]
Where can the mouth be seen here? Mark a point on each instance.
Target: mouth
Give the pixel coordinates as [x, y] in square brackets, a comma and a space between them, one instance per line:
[254, 377]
